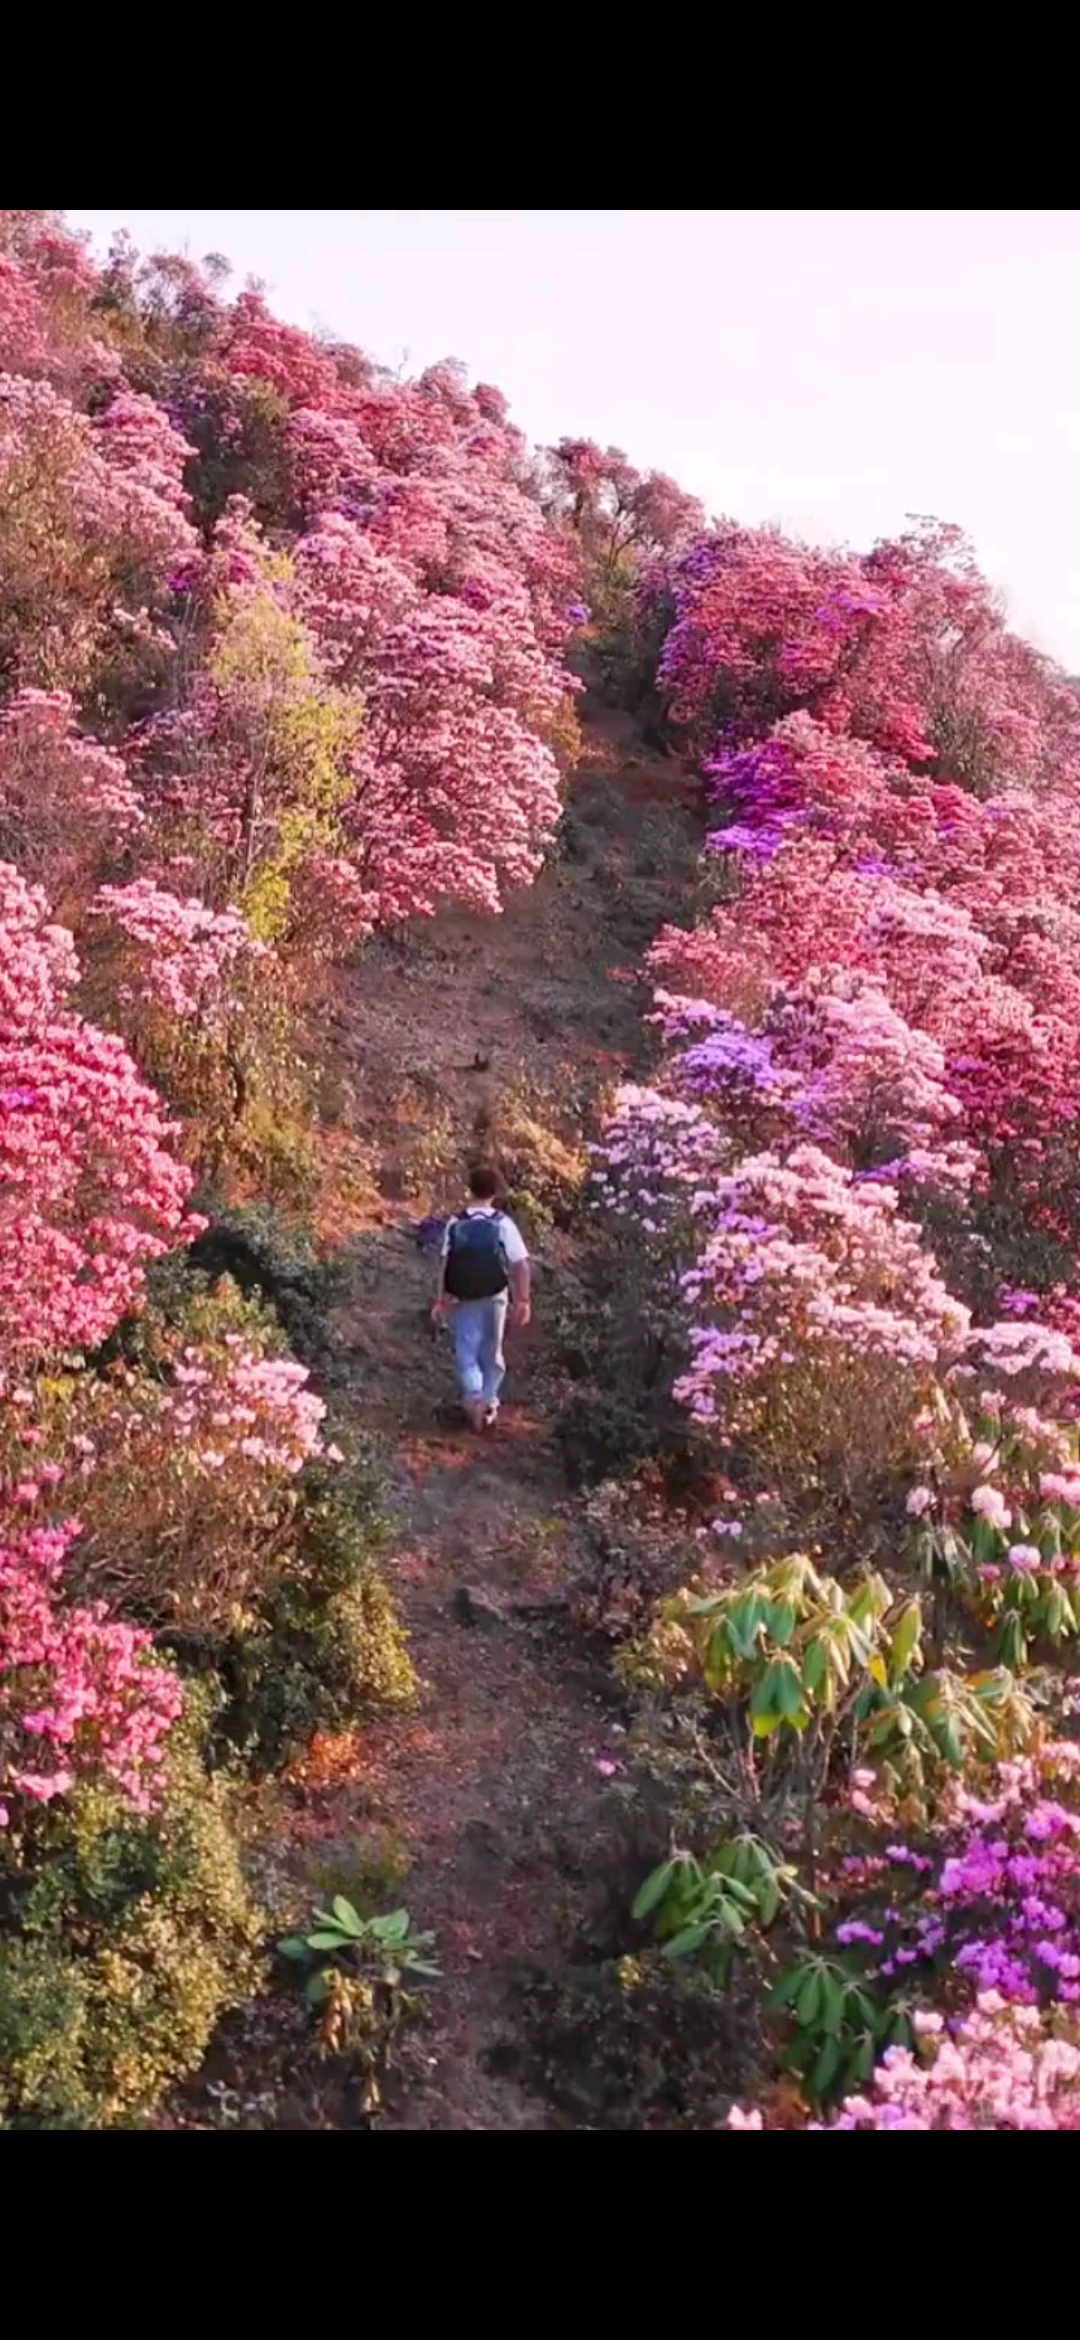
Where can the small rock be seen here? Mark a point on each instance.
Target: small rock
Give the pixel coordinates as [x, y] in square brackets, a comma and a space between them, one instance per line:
[538, 1609]
[475, 1608]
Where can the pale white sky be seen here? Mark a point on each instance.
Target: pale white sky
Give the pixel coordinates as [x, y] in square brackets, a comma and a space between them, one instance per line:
[830, 370]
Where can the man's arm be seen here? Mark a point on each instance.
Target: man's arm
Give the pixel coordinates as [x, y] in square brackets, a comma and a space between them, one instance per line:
[442, 1300]
[520, 1292]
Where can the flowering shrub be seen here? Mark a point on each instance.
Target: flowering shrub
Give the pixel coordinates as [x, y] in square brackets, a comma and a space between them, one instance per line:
[183, 1464]
[859, 1143]
[816, 1320]
[902, 646]
[210, 1012]
[91, 515]
[878, 1015]
[186, 954]
[622, 520]
[80, 1695]
[89, 1191]
[456, 791]
[63, 799]
[432, 590]
[997, 1515]
[831, 1676]
[1003, 2068]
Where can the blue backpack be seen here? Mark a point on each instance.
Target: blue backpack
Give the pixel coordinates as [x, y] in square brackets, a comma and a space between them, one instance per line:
[476, 1266]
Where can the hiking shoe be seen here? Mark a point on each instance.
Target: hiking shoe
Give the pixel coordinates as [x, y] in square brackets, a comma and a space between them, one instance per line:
[491, 1416]
[474, 1412]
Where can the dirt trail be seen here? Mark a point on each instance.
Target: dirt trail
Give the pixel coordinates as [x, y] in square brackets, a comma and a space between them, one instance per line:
[491, 1787]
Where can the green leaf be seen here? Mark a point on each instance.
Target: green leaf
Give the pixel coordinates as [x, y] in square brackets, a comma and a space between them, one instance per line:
[1055, 1613]
[317, 1989]
[905, 1640]
[717, 1665]
[788, 1693]
[1012, 1641]
[293, 1946]
[733, 1889]
[327, 1940]
[781, 1622]
[814, 1667]
[391, 1928]
[787, 1987]
[745, 1619]
[768, 1900]
[825, 2069]
[808, 2003]
[865, 2057]
[347, 1917]
[952, 1743]
[691, 1938]
[832, 2002]
[653, 1890]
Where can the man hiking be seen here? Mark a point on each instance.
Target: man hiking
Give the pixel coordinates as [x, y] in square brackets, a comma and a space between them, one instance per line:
[483, 1269]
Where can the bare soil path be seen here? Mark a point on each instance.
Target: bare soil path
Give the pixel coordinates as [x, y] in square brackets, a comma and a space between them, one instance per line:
[492, 1787]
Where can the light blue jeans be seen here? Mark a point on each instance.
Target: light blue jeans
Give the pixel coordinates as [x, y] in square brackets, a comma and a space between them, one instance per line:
[478, 1345]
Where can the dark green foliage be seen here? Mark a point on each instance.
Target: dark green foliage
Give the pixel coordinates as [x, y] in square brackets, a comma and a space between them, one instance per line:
[635, 2044]
[617, 1341]
[603, 1435]
[842, 2023]
[320, 1645]
[325, 1647]
[625, 656]
[274, 1258]
[239, 429]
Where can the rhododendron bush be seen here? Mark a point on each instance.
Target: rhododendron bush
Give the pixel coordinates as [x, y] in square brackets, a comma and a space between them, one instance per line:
[80, 1694]
[855, 1177]
[92, 516]
[1001, 2067]
[89, 1193]
[287, 659]
[89, 1187]
[65, 801]
[980, 1913]
[432, 600]
[283, 647]
[886, 985]
[182, 1465]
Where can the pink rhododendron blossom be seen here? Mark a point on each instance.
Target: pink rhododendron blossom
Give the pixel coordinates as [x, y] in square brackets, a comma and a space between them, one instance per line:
[89, 1190]
[80, 1694]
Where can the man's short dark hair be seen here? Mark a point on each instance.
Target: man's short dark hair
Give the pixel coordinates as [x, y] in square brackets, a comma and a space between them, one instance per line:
[484, 1182]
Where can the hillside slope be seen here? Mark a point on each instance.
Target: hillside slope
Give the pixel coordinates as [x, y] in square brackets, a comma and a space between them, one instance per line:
[491, 1790]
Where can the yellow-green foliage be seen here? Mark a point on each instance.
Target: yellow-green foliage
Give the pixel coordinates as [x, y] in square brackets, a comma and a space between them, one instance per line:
[537, 1148]
[295, 733]
[127, 1938]
[790, 1651]
[328, 1647]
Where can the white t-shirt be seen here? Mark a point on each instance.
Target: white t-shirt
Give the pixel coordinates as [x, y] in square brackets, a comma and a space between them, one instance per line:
[512, 1241]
